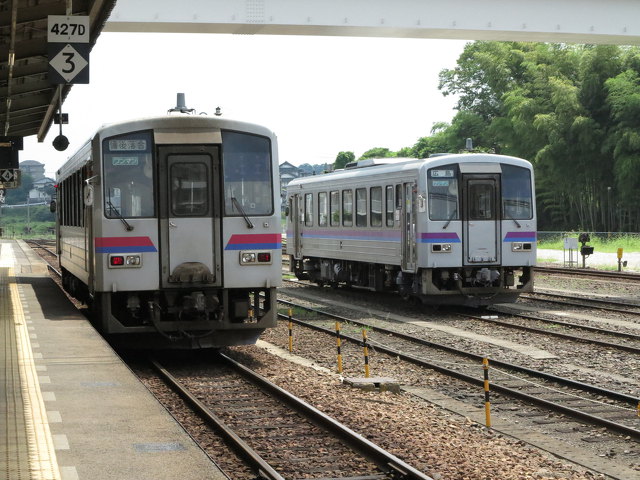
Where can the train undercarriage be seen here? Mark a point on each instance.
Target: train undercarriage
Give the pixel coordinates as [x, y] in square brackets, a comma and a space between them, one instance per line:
[470, 286]
[178, 318]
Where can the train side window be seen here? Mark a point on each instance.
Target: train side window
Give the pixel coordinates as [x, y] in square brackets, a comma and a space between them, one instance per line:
[481, 201]
[322, 209]
[375, 207]
[334, 200]
[390, 206]
[516, 193]
[347, 208]
[361, 207]
[308, 209]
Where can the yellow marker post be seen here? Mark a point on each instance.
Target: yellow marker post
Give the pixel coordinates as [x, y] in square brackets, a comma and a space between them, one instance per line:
[487, 403]
[290, 333]
[620, 251]
[366, 353]
[339, 344]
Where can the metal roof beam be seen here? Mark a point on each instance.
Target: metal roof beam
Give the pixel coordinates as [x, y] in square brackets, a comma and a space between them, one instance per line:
[569, 21]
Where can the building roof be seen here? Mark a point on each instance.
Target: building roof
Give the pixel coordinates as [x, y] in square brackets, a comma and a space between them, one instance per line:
[44, 180]
[287, 165]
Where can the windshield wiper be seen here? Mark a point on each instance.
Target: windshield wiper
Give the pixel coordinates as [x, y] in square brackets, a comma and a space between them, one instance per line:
[511, 218]
[453, 214]
[118, 214]
[244, 215]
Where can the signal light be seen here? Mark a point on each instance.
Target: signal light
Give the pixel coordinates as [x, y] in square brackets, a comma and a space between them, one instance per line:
[116, 260]
[264, 257]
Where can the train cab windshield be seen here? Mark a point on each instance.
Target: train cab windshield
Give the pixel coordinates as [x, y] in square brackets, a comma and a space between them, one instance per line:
[516, 192]
[515, 187]
[128, 176]
[443, 193]
[246, 165]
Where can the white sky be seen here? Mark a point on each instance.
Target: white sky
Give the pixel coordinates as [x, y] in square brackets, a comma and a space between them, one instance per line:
[320, 95]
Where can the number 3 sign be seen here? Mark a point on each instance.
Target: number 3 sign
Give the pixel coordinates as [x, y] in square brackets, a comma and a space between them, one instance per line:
[68, 38]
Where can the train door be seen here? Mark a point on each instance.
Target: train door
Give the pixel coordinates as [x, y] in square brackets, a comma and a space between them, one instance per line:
[189, 206]
[481, 216]
[295, 217]
[408, 227]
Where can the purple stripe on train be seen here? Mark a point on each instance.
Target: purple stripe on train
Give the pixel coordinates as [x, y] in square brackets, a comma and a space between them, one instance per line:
[437, 237]
[381, 236]
[520, 237]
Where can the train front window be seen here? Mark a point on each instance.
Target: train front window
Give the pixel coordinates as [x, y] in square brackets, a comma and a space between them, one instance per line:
[481, 200]
[128, 176]
[516, 193]
[189, 189]
[442, 185]
[248, 185]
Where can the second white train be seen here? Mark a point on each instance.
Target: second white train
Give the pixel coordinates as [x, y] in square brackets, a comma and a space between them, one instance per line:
[454, 229]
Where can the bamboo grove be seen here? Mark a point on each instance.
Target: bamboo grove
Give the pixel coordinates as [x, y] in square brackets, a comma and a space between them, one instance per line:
[572, 110]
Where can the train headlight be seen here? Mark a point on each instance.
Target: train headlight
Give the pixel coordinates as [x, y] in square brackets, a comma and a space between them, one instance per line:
[247, 257]
[255, 258]
[520, 247]
[124, 261]
[441, 247]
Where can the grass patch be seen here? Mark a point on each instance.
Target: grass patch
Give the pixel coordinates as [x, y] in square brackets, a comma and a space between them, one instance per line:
[630, 243]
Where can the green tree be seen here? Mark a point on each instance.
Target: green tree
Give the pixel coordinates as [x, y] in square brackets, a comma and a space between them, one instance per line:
[378, 152]
[342, 159]
[624, 143]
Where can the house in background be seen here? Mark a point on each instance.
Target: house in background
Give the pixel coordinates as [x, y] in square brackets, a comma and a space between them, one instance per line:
[42, 190]
[32, 168]
[287, 173]
[42, 186]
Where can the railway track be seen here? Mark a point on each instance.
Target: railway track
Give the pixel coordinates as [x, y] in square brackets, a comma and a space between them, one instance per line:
[43, 248]
[608, 304]
[578, 400]
[584, 272]
[277, 434]
[600, 336]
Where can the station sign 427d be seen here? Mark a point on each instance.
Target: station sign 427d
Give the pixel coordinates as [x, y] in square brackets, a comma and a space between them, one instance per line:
[68, 29]
[68, 45]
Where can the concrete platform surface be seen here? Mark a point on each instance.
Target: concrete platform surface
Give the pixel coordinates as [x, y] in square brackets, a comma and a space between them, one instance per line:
[73, 410]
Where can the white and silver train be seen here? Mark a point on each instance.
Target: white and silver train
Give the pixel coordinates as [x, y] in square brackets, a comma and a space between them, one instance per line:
[455, 229]
[169, 228]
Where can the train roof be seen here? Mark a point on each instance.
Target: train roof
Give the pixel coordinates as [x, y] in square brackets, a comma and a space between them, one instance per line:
[388, 166]
[181, 121]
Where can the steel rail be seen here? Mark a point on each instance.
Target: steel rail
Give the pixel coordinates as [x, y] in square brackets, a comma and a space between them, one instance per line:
[246, 452]
[547, 376]
[576, 300]
[383, 459]
[477, 381]
[588, 273]
[566, 336]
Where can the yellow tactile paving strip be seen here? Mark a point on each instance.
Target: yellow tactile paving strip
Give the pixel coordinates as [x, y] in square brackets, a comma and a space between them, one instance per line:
[26, 444]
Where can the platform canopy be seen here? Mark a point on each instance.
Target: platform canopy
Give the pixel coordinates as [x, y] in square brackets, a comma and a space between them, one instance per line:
[27, 99]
